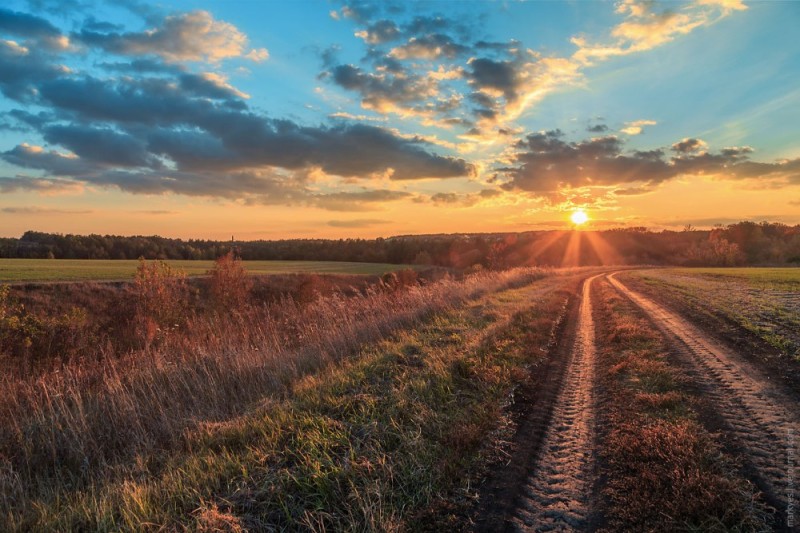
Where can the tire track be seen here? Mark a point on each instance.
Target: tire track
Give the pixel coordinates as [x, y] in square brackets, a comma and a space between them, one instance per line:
[556, 497]
[760, 417]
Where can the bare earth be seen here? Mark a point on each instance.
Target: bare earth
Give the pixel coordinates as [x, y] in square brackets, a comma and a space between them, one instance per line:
[556, 497]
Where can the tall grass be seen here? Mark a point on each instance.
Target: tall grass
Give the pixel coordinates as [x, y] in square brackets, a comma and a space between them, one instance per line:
[89, 421]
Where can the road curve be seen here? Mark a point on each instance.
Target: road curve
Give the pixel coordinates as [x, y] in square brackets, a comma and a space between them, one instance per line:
[761, 418]
[556, 497]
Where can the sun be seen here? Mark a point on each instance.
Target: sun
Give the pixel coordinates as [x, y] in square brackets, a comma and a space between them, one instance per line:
[579, 217]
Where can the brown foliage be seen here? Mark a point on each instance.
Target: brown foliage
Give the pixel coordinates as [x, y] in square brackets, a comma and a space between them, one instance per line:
[160, 297]
[229, 283]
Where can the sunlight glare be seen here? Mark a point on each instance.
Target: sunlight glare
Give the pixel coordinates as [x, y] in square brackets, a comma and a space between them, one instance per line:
[579, 217]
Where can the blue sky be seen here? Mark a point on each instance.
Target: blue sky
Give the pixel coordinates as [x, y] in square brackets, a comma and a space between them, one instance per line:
[301, 119]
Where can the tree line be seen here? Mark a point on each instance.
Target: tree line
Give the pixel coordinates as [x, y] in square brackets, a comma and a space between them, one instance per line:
[742, 243]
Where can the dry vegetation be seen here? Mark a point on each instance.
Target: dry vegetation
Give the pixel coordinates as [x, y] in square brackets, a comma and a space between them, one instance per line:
[163, 430]
[663, 470]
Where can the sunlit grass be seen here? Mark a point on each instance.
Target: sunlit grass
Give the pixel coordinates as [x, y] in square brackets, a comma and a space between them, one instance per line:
[91, 269]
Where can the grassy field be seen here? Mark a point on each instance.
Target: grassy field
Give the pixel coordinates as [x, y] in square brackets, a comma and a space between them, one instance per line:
[95, 270]
[785, 278]
[764, 301]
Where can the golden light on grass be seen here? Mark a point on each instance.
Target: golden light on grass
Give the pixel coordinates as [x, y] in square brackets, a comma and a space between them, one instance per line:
[579, 217]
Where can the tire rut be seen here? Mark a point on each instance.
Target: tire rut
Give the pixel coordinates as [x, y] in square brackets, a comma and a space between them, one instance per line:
[759, 417]
[557, 496]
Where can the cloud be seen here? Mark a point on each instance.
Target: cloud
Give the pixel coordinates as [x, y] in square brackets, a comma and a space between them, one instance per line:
[102, 146]
[465, 200]
[35, 210]
[429, 47]
[379, 32]
[52, 161]
[635, 127]
[193, 36]
[34, 28]
[210, 85]
[644, 29]
[45, 186]
[22, 68]
[545, 163]
[597, 128]
[358, 223]
[688, 146]
[194, 131]
[367, 200]
[384, 92]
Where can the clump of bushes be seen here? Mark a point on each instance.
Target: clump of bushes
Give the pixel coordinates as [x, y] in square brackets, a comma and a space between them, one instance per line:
[25, 334]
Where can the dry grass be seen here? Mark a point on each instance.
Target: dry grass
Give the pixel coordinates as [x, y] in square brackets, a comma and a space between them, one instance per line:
[663, 470]
[85, 426]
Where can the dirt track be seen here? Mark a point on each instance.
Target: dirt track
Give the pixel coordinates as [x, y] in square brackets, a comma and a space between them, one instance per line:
[758, 415]
[556, 497]
[548, 484]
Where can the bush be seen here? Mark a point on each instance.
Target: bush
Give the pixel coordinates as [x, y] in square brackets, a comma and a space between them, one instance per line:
[230, 284]
[161, 298]
[25, 334]
[395, 281]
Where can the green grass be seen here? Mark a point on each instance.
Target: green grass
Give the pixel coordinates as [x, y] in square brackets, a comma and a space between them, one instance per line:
[366, 445]
[663, 470]
[784, 278]
[760, 300]
[96, 270]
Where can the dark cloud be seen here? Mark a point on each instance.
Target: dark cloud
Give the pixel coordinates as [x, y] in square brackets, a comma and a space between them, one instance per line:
[209, 86]
[432, 46]
[546, 163]
[167, 129]
[21, 69]
[142, 66]
[381, 90]
[379, 32]
[688, 145]
[52, 162]
[31, 27]
[597, 128]
[102, 145]
[464, 200]
[501, 76]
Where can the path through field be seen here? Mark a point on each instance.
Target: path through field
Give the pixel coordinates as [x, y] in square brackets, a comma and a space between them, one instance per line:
[557, 495]
[760, 418]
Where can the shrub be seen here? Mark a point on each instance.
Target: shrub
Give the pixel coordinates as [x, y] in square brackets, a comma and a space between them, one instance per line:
[23, 333]
[401, 279]
[161, 295]
[230, 284]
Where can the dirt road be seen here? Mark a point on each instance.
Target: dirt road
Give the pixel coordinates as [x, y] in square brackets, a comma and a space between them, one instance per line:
[761, 418]
[556, 497]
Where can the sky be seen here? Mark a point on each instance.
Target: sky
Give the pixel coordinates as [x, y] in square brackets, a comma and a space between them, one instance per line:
[315, 119]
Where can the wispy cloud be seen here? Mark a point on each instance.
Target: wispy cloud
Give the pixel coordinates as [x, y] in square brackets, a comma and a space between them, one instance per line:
[636, 127]
[358, 223]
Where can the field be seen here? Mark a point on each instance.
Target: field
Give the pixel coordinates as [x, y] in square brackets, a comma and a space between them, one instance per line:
[527, 399]
[34, 270]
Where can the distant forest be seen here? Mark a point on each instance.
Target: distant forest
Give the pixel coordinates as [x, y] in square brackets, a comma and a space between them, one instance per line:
[743, 243]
